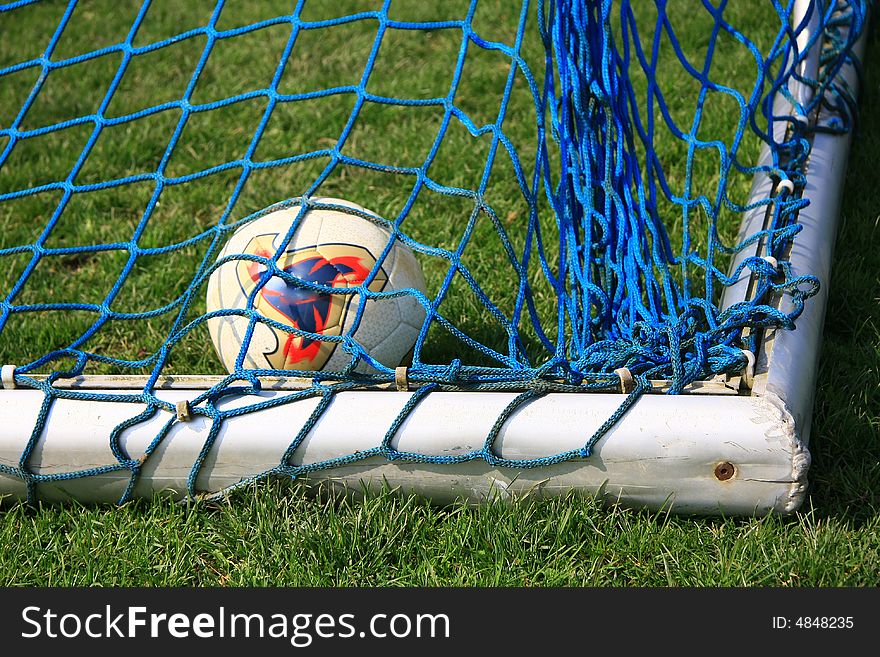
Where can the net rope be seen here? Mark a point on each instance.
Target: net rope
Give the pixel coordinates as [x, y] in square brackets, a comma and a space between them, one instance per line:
[596, 202]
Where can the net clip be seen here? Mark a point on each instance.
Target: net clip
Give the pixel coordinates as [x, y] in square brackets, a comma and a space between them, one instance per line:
[627, 383]
[771, 260]
[785, 184]
[7, 377]
[401, 379]
[184, 414]
[748, 376]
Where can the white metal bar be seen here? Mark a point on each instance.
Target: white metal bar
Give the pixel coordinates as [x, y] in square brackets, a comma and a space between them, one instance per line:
[763, 185]
[811, 12]
[665, 451]
[795, 354]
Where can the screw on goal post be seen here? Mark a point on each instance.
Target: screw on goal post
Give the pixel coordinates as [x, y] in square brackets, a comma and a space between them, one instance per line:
[512, 265]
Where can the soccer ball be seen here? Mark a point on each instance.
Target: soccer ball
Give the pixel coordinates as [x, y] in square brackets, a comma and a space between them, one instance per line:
[330, 248]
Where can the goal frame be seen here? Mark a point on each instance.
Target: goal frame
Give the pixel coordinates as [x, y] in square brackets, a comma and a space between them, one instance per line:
[711, 450]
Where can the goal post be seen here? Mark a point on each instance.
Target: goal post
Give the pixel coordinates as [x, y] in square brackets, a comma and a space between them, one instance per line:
[733, 443]
[710, 450]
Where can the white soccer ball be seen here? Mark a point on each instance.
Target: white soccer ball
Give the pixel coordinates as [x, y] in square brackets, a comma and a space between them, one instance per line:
[331, 248]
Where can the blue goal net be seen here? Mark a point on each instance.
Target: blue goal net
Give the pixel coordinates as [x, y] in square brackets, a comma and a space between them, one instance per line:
[569, 176]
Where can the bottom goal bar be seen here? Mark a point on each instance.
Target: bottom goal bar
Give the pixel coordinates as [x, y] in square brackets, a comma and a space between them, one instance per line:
[691, 453]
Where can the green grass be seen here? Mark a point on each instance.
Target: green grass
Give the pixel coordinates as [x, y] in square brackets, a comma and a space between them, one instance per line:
[277, 535]
[394, 135]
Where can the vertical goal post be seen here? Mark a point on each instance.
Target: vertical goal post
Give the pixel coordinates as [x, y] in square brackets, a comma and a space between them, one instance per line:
[733, 443]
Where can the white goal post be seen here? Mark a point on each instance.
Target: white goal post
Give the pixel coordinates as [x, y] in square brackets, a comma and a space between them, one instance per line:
[718, 448]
